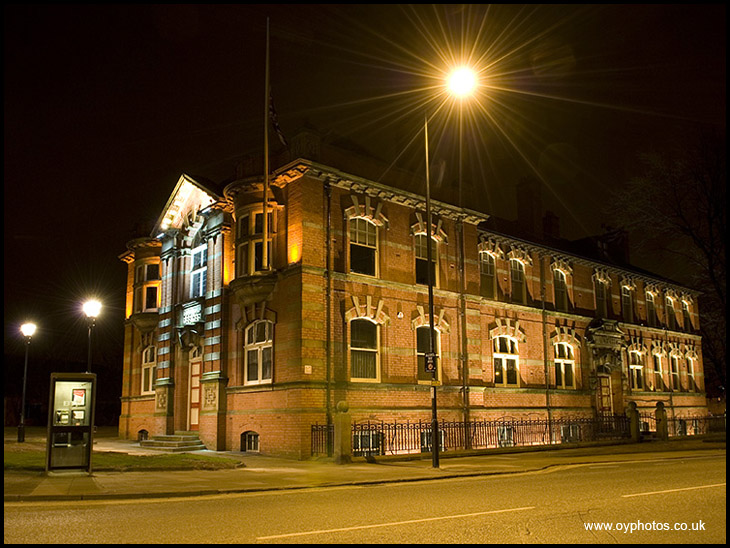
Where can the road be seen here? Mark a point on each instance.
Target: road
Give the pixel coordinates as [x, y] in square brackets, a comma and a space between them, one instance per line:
[638, 500]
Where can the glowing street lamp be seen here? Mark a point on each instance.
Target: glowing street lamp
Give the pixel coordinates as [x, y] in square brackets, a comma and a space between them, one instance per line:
[91, 309]
[461, 84]
[28, 330]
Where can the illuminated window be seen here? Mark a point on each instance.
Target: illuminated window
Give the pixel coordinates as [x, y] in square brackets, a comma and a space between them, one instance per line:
[488, 275]
[686, 320]
[506, 362]
[422, 260]
[258, 352]
[636, 370]
[671, 319]
[658, 380]
[564, 366]
[146, 287]
[674, 363]
[364, 349]
[363, 246]
[199, 272]
[250, 242]
[423, 346]
[627, 304]
[650, 310]
[148, 370]
[561, 290]
[517, 272]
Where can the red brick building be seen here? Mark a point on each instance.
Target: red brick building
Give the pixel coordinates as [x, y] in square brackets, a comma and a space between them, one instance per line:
[251, 357]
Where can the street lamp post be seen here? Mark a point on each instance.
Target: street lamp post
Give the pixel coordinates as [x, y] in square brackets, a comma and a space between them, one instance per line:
[28, 330]
[91, 309]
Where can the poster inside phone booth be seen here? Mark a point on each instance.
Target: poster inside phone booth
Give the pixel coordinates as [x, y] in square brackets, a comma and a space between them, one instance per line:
[71, 421]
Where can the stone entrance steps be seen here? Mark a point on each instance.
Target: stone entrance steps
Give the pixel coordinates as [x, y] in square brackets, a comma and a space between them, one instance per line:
[178, 442]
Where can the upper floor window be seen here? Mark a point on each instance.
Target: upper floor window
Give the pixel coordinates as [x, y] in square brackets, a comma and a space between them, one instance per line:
[636, 370]
[364, 355]
[561, 290]
[488, 275]
[146, 287]
[650, 310]
[363, 246]
[148, 370]
[686, 319]
[517, 273]
[564, 366]
[422, 269]
[671, 320]
[506, 362]
[423, 347]
[627, 304]
[258, 349]
[199, 273]
[691, 382]
[250, 242]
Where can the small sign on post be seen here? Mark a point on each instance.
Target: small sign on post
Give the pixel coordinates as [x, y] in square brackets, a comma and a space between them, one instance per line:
[430, 361]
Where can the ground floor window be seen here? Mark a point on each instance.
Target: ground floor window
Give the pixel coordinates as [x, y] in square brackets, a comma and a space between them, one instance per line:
[250, 442]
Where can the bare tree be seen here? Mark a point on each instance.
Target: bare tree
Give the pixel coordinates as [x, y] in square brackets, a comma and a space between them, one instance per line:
[675, 213]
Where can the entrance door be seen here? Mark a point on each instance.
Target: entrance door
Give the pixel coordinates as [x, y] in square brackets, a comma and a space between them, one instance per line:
[196, 362]
[604, 395]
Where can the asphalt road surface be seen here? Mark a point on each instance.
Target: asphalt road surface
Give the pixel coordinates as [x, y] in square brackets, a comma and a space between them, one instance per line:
[659, 501]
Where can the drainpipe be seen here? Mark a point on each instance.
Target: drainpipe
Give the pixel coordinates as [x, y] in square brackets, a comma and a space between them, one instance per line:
[328, 313]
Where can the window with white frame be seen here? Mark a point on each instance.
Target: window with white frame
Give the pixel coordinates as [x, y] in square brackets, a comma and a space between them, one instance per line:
[636, 370]
[691, 383]
[564, 366]
[250, 242]
[149, 361]
[517, 273]
[650, 309]
[423, 347]
[686, 319]
[488, 274]
[364, 355]
[363, 246]
[146, 287]
[561, 290]
[258, 352]
[627, 304]
[506, 362]
[674, 364]
[658, 380]
[422, 260]
[671, 319]
[199, 272]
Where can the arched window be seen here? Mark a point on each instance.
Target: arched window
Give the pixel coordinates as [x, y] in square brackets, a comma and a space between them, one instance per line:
[148, 370]
[636, 370]
[517, 273]
[506, 362]
[250, 442]
[423, 347]
[364, 350]
[627, 304]
[363, 246]
[258, 352]
[422, 260]
[564, 366]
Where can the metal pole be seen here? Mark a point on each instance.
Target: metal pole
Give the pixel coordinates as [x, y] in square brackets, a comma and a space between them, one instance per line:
[431, 337]
[21, 426]
[267, 98]
[91, 326]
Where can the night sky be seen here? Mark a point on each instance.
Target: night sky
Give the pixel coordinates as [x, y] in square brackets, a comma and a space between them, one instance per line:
[105, 107]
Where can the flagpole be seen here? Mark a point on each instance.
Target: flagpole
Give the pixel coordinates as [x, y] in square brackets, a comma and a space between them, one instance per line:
[265, 227]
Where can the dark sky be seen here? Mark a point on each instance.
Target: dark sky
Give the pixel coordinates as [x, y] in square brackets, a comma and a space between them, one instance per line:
[105, 107]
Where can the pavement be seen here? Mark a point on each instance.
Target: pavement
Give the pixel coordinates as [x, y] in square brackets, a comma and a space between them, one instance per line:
[259, 473]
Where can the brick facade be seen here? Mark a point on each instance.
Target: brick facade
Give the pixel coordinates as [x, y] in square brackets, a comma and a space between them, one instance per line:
[276, 350]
